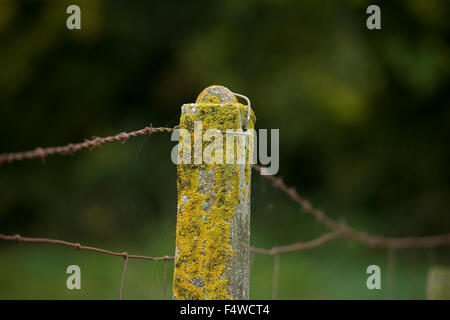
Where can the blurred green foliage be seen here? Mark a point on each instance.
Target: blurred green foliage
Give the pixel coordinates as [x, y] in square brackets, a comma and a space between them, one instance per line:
[364, 119]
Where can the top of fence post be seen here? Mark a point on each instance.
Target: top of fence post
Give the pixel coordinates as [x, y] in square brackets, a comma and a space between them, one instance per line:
[213, 216]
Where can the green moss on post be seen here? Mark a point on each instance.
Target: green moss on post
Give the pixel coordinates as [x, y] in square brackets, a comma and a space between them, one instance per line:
[213, 216]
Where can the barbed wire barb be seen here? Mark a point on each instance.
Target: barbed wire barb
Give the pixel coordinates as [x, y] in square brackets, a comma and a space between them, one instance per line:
[348, 232]
[71, 148]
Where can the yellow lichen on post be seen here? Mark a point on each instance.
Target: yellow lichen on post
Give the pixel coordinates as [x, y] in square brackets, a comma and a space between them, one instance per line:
[213, 216]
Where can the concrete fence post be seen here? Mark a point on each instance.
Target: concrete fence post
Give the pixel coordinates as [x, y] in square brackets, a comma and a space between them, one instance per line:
[213, 181]
[438, 283]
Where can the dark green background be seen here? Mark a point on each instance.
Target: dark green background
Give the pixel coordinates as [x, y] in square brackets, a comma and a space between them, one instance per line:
[364, 119]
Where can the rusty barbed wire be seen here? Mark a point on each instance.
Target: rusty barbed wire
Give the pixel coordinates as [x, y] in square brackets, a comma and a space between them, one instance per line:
[339, 229]
[277, 182]
[71, 148]
[275, 251]
[348, 232]
[78, 246]
[298, 246]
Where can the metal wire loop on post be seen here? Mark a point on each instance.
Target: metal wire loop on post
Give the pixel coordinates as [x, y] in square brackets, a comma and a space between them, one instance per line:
[247, 120]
